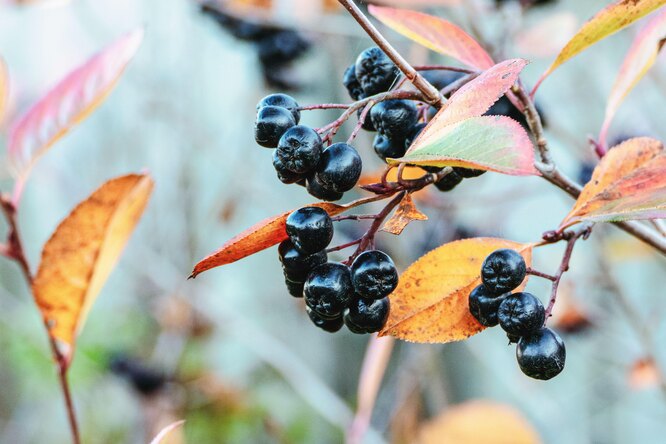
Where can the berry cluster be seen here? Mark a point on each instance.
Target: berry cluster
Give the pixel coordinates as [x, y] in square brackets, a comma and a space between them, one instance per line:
[540, 351]
[335, 293]
[299, 155]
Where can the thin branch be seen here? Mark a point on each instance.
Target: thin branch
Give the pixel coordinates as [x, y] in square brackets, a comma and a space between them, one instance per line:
[444, 68]
[324, 106]
[540, 274]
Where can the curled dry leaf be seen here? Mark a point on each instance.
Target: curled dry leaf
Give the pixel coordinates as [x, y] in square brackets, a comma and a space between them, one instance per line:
[68, 103]
[628, 183]
[405, 213]
[639, 59]
[81, 253]
[479, 421]
[163, 434]
[430, 304]
[262, 235]
[436, 34]
[608, 21]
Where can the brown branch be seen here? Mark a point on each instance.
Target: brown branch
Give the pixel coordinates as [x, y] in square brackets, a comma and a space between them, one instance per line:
[444, 68]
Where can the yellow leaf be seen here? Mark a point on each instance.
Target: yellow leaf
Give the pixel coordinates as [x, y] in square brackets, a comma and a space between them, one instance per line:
[79, 256]
[431, 302]
[479, 422]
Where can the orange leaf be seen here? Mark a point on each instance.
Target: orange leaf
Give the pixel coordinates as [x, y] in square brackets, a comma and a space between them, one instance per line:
[476, 422]
[435, 33]
[68, 103]
[81, 253]
[405, 213]
[4, 88]
[430, 304]
[409, 173]
[263, 235]
[628, 183]
[639, 59]
[608, 21]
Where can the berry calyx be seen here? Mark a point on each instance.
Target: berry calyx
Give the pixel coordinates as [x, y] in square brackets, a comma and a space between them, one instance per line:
[296, 264]
[386, 148]
[299, 149]
[272, 122]
[367, 315]
[449, 182]
[284, 175]
[375, 71]
[374, 275]
[328, 289]
[351, 83]
[339, 168]
[310, 229]
[282, 101]
[320, 191]
[329, 325]
[484, 305]
[521, 314]
[394, 118]
[542, 354]
[503, 270]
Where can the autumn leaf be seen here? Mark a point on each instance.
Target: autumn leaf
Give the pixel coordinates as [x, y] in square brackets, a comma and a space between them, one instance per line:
[72, 100]
[263, 235]
[639, 59]
[628, 183]
[404, 214]
[476, 422]
[161, 437]
[436, 34]
[606, 22]
[546, 37]
[4, 89]
[493, 143]
[81, 253]
[473, 99]
[430, 304]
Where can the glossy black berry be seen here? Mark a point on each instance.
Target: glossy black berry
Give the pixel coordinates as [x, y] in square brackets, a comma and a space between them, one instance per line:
[297, 265]
[374, 275]
[440, 79]
[294, 288]
[351, 83]
[503, 270]
[367, 122]
[542, 354]
[320, 191]
[282, 101]
[413, 134]
[300, 149]
[484, 306]
[143, 379]
[339, 168]
[375, 71]
[521, 314]
[468, 172]
[387, 148]
[330, 325]
[272, 122]
[283, 174]
[449, 182]
[328, 289]
[310, 229]
[394, 118]
[281, 47]
[367, 315]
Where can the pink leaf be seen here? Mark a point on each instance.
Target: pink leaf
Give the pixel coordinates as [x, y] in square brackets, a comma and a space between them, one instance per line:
[67, 104]
[4, 88]
[639, 59]
[435, 33]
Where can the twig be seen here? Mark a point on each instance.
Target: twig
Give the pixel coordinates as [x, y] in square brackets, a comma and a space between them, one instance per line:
[324, 106]
[540, 274]
[430, 93]
[444, 68]
[361, 121]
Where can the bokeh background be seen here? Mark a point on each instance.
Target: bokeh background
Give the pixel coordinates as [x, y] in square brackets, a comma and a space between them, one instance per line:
[241, 360]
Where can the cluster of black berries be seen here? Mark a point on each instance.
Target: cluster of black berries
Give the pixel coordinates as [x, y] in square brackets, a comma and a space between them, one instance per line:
[300, 157]
[334, 293]
[540, 351]
[276, 47]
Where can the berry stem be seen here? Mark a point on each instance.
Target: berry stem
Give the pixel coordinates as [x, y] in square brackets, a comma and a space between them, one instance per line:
[430, 93]
[343, 246]
[536, 273]
[361, 121]
[324, 106]
[410, 185]
[444, 68]
[355, 217]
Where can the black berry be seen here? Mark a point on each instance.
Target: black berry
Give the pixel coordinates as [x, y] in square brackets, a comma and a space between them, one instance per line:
[297, 265]
[374, 275]
[541, 355]
[281, 47]
[394, 118]
[367, 315]
[320, 191]
[328, 289]
[375, 71]
[387, 148]
[468, 172]
[282, 101]
[285, 175]
[351, 83]
[299, 149]
[294, 288]
[503, 270]
[310, 229]
[367, 122]
[143, 379]
[272, 122]
[484, 306]
[330, 325]
[521, 314]
[339, 168]
[440, 78]
[449, 182]
[414, 133]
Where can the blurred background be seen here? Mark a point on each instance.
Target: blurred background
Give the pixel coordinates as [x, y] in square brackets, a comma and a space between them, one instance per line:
[231, 352]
